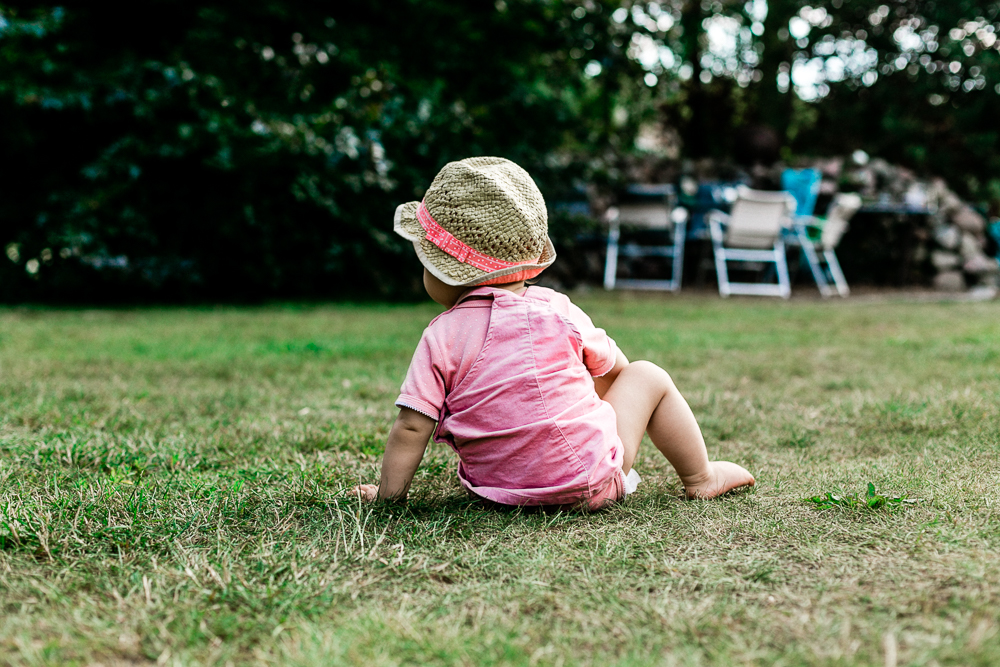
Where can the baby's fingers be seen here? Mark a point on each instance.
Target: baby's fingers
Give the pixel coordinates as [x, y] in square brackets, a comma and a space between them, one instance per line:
[367, 492]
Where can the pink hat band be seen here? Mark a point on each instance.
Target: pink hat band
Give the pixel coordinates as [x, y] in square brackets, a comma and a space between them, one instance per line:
[464, 253]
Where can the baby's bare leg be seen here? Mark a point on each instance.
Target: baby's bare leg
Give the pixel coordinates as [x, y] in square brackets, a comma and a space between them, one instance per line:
[646, 400]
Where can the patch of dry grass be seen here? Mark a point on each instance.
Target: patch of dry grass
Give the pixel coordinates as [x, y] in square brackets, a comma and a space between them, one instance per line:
[171, 491]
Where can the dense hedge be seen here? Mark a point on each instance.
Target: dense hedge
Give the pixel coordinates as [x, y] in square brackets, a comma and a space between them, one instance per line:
[224, 153]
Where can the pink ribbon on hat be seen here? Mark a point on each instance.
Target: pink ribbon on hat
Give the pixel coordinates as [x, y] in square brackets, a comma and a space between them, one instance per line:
[466, 254]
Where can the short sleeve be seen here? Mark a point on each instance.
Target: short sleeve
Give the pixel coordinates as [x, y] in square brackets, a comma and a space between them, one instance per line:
[599, 350]
[423, 389]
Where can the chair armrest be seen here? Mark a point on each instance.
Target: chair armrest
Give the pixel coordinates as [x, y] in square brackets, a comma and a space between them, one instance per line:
[715, 215]
[809, 226]
[717, 220]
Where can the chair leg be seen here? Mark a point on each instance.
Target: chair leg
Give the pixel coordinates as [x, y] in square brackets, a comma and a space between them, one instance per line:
[838, 275]
[809, 250]
[781, 264]
[678, 259]
[721, 271]
[611, 259]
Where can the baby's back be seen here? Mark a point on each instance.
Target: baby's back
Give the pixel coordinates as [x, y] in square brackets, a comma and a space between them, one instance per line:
[522, 412]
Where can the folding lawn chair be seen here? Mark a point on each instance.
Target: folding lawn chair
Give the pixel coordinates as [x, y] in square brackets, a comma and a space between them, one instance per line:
[648, 208]
[804, 185]
[819, 238]
[752, 233]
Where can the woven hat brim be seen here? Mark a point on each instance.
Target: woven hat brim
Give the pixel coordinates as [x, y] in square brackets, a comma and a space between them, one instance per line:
[449, 270]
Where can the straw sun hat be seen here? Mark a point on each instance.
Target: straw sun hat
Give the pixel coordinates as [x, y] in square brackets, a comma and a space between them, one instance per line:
[482, 221]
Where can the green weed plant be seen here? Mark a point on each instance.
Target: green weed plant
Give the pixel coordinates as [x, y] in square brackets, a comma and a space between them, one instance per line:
[872, 500]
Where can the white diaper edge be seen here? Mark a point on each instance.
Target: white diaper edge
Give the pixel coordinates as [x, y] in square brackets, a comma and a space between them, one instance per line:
[632, 480]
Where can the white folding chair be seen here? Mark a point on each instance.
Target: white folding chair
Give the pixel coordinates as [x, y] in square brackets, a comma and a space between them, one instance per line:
[820, 254]
[650, 207]
[752, 232]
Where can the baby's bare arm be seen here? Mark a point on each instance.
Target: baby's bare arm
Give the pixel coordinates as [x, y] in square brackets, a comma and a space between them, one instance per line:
[603, 383]
[403, 452]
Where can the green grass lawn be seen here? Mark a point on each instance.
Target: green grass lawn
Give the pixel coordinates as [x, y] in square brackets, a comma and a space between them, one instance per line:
[172, 490]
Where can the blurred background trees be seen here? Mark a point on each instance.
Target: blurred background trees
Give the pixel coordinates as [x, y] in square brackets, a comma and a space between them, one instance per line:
[197, 151]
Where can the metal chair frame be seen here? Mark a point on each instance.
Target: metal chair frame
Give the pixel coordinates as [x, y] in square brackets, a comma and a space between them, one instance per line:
[756, 222]
[820, 255]
[649, 215]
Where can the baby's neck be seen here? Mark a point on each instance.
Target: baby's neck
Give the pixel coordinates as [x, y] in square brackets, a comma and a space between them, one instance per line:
[516, 288]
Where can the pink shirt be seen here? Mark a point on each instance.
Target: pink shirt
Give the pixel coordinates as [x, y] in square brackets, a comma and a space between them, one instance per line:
[508, 379]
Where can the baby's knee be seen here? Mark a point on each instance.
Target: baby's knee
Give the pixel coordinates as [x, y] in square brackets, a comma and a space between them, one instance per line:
[653, 373]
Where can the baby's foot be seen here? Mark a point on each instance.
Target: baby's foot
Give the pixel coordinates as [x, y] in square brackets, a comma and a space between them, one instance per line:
[722, 477]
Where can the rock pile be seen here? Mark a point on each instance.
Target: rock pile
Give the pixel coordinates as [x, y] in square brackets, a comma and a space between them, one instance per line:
[959, 235]
[952, 236]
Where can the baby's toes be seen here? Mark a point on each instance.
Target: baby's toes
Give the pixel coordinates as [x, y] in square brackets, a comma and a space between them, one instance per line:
[365, 491]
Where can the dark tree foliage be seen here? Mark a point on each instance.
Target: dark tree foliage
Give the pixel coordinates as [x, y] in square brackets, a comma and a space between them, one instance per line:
[259, 150]
[935, 111]
[255, 151]
[930, 99]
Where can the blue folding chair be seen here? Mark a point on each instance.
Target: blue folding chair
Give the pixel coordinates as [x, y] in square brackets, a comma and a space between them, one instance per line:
[803, 184]
[709, 196]
[994, 231]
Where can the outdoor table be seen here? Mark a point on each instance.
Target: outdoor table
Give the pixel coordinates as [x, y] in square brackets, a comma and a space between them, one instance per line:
[899, 209]
[894, 247]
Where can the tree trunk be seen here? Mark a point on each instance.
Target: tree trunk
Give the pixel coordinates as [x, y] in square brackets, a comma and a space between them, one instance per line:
[695, 130]
[773, 107]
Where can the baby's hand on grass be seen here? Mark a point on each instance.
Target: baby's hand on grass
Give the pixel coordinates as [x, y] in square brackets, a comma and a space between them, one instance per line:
[366, 492]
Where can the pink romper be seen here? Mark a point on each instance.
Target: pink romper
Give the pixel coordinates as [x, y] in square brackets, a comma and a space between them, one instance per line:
[508, 379]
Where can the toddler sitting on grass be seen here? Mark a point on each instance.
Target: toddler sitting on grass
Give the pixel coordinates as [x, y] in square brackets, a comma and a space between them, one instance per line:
[540, 405]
